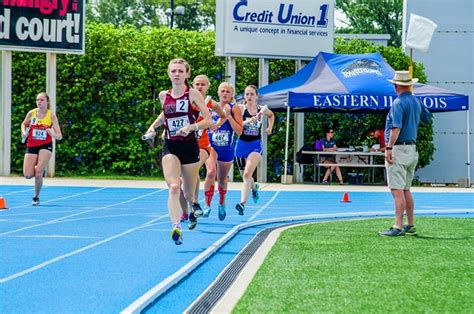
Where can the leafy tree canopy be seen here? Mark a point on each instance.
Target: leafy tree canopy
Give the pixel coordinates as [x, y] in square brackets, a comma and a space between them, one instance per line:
[198, 14]
[373, 17]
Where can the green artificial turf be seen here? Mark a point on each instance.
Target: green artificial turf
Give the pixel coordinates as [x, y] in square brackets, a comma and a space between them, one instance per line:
[344, 266]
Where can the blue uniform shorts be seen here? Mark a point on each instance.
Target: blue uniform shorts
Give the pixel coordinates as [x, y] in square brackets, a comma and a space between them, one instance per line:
[224, 154]
[243, 149]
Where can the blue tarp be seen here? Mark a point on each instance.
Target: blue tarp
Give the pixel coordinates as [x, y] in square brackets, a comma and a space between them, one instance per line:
[350, 82]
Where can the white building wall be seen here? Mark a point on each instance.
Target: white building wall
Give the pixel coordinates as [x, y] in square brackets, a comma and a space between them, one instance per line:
[449, 64]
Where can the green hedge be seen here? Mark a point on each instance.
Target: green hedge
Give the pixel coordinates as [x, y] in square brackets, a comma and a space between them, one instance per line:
[108, 97]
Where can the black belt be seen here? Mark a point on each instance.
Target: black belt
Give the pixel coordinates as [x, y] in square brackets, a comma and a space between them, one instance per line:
[405, 143]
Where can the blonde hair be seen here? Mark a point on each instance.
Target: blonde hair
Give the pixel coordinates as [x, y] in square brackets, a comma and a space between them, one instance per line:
[203, 77]
[226, 85]
[186, 65]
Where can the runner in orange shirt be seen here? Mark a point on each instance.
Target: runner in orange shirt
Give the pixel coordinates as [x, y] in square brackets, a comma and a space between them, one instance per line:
[201, 83]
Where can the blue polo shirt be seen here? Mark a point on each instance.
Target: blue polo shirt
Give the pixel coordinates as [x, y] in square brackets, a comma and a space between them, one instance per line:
[405, 114]
[328, 144]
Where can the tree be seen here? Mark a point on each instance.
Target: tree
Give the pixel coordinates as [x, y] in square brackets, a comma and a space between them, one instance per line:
[198, 14]
[373, 17]
[107, 98]
[116, 12]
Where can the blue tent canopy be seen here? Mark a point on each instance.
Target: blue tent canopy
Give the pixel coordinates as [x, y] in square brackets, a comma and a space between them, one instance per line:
[350, 82]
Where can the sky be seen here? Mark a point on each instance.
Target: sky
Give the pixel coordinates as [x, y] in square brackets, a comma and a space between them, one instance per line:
[338, 17]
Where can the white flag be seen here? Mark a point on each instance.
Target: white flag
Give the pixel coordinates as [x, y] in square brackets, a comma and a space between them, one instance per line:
[420, 31]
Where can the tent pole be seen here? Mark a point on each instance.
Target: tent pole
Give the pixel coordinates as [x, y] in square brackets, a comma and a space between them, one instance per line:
[5, 112]
[230, 78]
[286, 142]
[410, 68]
[468, 185]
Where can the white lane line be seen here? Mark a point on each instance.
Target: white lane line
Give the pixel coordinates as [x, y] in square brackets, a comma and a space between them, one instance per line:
[53, 236]
[21, 191]
[264, 206]
[61, 219]
[442, 208]
[145, 214]
[20, 220]
[83, 249]
[50, 212]
[61, 198]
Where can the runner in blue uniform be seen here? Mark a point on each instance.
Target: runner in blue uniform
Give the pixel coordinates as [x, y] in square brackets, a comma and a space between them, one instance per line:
[249, 148]
[222, 140]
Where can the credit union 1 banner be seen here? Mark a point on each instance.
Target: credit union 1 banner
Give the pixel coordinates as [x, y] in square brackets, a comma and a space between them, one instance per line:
[42, 25]
[274, 28]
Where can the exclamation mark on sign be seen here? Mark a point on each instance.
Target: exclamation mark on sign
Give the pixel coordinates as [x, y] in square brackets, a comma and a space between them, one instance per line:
[74, 5]
[77, 20]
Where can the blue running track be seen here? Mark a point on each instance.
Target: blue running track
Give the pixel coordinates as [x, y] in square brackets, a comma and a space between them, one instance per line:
[105, 249]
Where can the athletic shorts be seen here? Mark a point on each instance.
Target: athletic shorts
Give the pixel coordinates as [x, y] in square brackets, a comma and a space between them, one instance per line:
[244, 149]
[186, 151]
[35, 150]
[400, 173]
[224, 154]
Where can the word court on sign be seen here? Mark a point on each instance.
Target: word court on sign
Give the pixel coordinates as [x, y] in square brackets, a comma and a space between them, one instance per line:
[44, 24]
[47, 29]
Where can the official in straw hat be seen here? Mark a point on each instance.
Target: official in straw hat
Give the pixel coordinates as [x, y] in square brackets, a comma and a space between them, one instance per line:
[403, 78]
[401, 156]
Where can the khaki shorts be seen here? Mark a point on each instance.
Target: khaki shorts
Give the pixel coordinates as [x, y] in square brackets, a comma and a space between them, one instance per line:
[400, 173]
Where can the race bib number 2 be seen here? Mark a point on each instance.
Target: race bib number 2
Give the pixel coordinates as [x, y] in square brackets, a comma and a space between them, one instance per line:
[182, 105]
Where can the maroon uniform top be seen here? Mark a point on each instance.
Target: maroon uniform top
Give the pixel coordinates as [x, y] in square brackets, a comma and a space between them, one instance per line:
[179, 112]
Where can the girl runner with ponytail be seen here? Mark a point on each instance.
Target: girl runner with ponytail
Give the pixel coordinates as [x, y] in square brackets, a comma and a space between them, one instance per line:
[40, 127]
[249, 148]
[181, 105]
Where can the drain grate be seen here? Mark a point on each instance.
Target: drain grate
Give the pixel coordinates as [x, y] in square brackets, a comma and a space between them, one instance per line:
[215, 292]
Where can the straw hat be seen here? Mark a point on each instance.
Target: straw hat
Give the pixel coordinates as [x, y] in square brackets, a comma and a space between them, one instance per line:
[403, 78]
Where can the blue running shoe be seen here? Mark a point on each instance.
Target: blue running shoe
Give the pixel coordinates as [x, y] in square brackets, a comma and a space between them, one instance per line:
[392, 232]
[197, 210]
[206, 211]
[192, 221]
[221, 213]
[177, 235]
[409, 230]
[240, 208]
[255, 195]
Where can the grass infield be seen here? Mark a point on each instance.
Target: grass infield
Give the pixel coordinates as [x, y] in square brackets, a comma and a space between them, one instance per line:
[344, 266]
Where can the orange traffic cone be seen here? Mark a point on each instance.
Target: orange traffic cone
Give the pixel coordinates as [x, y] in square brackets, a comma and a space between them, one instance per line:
[345, 198]
[3, 203]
